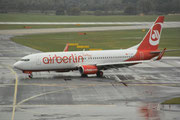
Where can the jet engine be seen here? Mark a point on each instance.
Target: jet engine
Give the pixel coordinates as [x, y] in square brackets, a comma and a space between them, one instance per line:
[88, 69]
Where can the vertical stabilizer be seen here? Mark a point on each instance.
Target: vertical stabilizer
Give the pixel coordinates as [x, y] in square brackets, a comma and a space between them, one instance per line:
[152, 38]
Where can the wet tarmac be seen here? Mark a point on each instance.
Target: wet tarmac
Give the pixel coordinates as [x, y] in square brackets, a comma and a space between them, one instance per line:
[67, 96]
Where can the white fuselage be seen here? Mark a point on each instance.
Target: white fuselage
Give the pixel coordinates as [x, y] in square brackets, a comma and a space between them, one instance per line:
[71, 60]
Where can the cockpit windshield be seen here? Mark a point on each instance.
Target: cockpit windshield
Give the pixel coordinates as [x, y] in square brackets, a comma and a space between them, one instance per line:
[25, 59]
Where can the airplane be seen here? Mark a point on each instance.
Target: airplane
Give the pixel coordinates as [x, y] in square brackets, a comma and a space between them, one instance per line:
[95, 62]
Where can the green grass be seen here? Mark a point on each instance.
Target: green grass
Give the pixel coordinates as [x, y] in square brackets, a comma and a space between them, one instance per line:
[19, 17]
[170, 39]
[172, 101]
[9, 27]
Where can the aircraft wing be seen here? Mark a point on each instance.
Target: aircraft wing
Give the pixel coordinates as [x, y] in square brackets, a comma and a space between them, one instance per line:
[120, 64]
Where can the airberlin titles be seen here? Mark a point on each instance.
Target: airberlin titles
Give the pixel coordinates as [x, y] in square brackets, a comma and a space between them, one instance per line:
[73, 58]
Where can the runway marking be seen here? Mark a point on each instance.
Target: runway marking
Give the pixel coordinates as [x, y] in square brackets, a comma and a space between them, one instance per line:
[15, 92]
[51, 92]
[87, 85]
[41, 94]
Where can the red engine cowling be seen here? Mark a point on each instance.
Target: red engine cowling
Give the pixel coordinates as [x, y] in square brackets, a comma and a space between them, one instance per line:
[88, 69]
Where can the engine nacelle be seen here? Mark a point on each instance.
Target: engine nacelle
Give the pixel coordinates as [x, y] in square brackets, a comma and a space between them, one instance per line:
[88, 69]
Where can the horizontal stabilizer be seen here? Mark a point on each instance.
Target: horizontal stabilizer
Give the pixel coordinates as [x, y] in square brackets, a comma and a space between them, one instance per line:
[155, 52]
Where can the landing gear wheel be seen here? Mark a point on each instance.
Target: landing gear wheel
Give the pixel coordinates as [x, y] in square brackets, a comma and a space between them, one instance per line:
[84, 75]
[30, 75]
[99, 74]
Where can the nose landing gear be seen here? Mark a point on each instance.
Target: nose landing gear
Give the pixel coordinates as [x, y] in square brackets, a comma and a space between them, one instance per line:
[30, 75]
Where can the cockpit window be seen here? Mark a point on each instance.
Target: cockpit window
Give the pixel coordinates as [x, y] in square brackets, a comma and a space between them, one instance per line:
[25, 59]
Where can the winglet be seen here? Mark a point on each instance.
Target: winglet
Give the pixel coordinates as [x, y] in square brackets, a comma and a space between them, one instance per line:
[66, 47]
[161, 54]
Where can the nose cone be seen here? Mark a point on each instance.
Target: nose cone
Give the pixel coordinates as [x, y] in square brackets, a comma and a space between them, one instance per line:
[17, 65]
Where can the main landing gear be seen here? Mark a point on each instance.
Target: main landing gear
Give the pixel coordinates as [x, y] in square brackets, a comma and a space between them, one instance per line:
[84, 75]
[99, 74]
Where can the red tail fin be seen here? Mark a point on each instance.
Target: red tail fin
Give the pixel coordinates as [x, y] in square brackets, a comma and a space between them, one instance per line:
[151, 40]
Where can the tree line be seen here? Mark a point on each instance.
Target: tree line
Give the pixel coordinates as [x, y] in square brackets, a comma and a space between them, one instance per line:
[92, 7]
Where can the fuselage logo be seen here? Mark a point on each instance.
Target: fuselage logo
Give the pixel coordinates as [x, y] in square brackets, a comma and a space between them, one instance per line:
[73, 58]
[155, 34]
